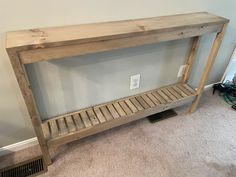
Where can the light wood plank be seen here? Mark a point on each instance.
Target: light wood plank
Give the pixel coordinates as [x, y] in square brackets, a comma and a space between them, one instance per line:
[99, 114]
[106, 113]
[56, 36]
[78, 122]
[65, 51]
[131, 106]
[85, 119]
[142, 102]
[136, 104]
[70, 123]
[125, 107]
[170, 95]
[153, 98]
[173, 92]
[62, 126]
[53, 128]
[211, 58]
[46, 131]
[189, 88]
[113, 111]
[164, 96]
[184, 89]
[119, 109]
[179, 91]
[192, 56]
[147, 100]
[92, 117]
[23, 81]
[159, 97]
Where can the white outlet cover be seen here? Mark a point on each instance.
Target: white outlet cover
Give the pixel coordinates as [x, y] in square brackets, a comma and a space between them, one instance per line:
[181, 70]
[135, 81]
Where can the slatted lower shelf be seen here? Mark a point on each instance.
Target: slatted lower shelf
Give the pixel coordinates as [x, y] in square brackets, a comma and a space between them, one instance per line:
[76, 125]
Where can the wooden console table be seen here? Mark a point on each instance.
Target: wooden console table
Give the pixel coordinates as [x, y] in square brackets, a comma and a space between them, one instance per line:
[35, 45]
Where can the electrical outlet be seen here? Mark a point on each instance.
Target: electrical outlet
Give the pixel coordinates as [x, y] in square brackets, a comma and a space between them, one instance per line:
[135, 81]
[181, 70]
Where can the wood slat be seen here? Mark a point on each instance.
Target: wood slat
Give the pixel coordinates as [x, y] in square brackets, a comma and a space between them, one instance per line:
[99, 114]
[179, 91]
[176, 94]
[164, 96]
[153, 98]
[78, 122]
[189, 88]
[148, 100]
[119, 109]
[136, 104]
[92, 117]
[131, 106]
[169, 94]
[70, 123]
[142, 102]
[159, 97]
[62, 126]
[46, 130]
[125, 107]
[184, 89]
[113, 111]
[85, 119]
[106, 113]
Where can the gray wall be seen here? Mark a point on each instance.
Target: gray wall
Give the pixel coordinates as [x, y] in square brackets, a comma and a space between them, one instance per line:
[87, 80]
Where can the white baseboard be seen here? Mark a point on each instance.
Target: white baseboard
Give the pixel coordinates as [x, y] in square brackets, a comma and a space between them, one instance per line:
[18, 146]
[33, 141]
[208, 87]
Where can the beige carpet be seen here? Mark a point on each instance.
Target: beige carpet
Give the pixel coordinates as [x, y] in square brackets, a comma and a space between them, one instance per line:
[202, 144]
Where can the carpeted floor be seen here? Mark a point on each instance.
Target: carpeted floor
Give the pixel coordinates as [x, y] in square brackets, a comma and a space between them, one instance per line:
[202, 144]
